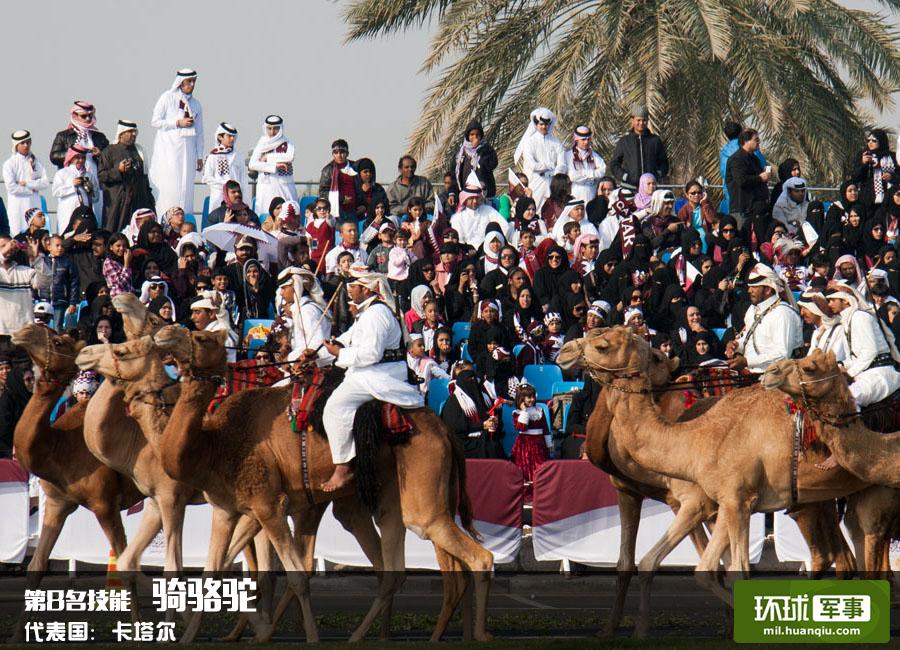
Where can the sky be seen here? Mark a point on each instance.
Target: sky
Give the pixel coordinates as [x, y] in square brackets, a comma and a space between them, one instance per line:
[253, 58]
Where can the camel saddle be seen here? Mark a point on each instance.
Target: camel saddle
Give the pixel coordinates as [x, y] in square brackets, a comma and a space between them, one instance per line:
[243, 375]
[304, 399]
[883, 416]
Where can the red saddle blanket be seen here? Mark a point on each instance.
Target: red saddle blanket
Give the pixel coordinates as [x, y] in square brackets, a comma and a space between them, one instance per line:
[243, 375]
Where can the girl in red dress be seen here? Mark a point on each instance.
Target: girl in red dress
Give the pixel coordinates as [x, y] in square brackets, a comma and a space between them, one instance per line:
[531, 446]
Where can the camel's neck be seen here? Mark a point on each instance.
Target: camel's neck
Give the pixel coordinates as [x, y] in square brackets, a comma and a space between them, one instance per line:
[657, 445]
[150, 401]
[870, 455]
[183, 442]
[33, 437]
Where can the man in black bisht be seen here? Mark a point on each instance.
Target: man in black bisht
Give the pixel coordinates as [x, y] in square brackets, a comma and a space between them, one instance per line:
[639, 151]
[126, 187]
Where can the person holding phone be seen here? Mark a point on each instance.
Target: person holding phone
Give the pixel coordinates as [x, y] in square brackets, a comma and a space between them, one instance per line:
[876, 171]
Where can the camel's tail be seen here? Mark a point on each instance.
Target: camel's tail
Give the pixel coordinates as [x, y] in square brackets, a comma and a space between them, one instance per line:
[366, 434]
[458, 487]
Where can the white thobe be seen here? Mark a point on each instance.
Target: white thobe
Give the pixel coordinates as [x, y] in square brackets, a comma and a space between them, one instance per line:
[865, 341]
[312, 328]
[220, 168]
[21, 198]
[584, 178]
[271, 183]
[543, 157]
[176, 151]
[829, 338]
[559, 235]
[778, 334]
[359, 257]
[470, 224]
[69, 196]
[376, 329]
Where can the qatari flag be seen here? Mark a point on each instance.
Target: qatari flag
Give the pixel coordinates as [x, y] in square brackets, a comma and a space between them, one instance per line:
[14, 508]
[584, 526]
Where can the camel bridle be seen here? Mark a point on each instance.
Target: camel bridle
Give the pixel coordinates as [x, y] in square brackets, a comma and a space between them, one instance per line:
[191, 372]
[835, 421]
[45, 368]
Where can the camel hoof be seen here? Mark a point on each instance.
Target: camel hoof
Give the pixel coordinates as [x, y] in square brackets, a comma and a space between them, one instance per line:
[484, 636]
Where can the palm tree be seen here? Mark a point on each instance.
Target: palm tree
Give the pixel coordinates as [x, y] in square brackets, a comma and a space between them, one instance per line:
[798, 70]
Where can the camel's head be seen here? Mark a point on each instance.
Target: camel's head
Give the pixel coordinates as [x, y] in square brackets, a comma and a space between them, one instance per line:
[54, 354]
[814, 377]
[616, 350]
[131, 361]
[195, 352]
[136, 318]
[571, 355]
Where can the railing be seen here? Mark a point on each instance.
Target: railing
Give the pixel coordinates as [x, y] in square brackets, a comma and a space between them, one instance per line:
[311, 188]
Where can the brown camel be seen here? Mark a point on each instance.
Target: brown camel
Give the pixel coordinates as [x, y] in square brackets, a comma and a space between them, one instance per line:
[70, 475]
[819, 385]
[138, 369]
[743, 464]
[633, 483]
[118, 441]
[245, 456]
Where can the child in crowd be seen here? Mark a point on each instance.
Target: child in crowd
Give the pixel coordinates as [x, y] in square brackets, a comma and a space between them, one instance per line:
[229, 300]
[443, 352]
[400, 257]
[320, 230]
[531, 447]
[63, 290]
[554, 337]
[378, 258]
[423, 366]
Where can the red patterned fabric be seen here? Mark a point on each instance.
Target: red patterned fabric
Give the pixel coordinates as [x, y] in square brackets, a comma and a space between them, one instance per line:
[528, 454]
[243, 375]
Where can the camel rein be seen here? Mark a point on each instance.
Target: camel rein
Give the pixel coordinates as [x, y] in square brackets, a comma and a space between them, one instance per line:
[838, 420]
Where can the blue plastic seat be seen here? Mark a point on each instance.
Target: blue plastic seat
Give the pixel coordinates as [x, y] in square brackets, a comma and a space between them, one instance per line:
[566, 386]
[509, 429]
[190, 218]
[542, 377]
[306, 201]
[464, 352]
[205, 213]
[720, 332]
[461, 331]
[438, 393]
[516, 349]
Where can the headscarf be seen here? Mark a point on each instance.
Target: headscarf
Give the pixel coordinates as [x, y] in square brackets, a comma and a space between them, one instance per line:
[847, 259]
[18, 137]
[86, 381]
[816, 302]
[582, 158]
[267, 143]
[519, 222]
[857, 301]
[80, 126]
[161, 252]
[868, 245]
[643, 197]
[467, 149]
[468, 394]
[378, 284]
[580, 264]
[223, 129]
[763, 276]
[543, 114]
[157, 304]
[417, 296]
[74, 150]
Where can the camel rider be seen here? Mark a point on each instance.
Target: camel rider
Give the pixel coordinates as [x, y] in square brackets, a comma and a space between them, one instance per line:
[208, 315]
[373, 353]
[304, 304]
[871, 352]
[828, 334]
[772, 327]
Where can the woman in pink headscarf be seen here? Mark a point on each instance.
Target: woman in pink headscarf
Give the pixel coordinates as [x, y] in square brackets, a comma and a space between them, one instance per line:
[646, 187]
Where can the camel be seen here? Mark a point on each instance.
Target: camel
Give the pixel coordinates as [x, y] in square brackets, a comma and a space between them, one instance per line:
[819, 385]
[138, 369]
[70, 475]
[691, 505]
[118, 441]
[245, 457]
[742, 464]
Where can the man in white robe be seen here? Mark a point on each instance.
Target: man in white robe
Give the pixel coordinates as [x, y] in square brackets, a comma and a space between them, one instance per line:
[304, 303]
[25, 178]
[772, 327]
[373, 353]
[573, 212]
[208, 314]
[871, 354]
[540, 154]
[178, 147]
[273, 159]
[224, 164]
[829, 333]
[471, 221]
[74, 186]
[584, 166]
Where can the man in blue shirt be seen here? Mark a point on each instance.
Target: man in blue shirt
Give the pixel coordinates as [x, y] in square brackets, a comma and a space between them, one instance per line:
[732, 130]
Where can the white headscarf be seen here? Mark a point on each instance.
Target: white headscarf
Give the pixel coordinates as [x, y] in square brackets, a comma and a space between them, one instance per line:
[538, 113]
[807, 301]
[266, 143]
[857, 302]
[763, 276]
[182, 75]
[377, 283]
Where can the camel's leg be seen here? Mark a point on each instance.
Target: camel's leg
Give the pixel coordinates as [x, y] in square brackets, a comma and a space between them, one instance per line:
[265, 587]
[629, 522]
[171, 508]
[151, 521]
[688, 518]
[56, 511]
[818, 523]
[739, 537]
[223, 523]
[393, 551]
[707, 569]
[454, 584]
[274, 522]
[306, 526]
[246, 528]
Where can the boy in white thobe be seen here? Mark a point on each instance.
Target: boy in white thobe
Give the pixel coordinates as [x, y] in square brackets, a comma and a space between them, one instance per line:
[178, 147]
[540, 154]
[273, 158]
[25, 179]
[224, 164]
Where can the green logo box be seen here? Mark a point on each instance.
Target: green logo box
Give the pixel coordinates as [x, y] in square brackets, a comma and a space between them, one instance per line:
[812, 611]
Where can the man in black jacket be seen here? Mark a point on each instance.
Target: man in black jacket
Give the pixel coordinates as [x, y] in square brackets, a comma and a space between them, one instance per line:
[81, 131]
[344, 184]
[639, 151]
[746, 179]
[476, 154]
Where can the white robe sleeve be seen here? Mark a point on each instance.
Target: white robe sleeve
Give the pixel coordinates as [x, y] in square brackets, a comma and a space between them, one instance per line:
[286, 157]
[161, 119]
[265, 167]
[63, 186]
[198, 130]
[11, 180]
[864, 341]
[370, 332]
[209, 172]
[40, 181]
[533, 161]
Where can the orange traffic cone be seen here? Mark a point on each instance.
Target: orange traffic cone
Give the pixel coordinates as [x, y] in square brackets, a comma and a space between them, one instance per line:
[112, 577]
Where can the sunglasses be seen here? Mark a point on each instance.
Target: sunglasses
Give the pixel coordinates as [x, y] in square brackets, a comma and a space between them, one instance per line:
[507, 256]
[871, 139]
[554, 257]
[322, 209]
[697, 193]
[728, 230]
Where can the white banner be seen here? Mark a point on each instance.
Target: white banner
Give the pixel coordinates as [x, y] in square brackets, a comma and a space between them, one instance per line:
[14, 507]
